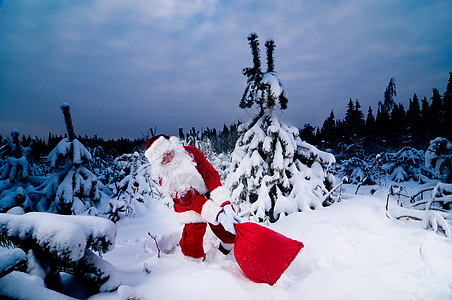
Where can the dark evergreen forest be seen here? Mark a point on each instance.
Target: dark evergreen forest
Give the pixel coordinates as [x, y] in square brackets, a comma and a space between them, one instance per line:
[387, 126]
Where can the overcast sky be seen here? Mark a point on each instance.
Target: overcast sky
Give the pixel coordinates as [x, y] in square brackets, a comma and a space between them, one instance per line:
[127, 66]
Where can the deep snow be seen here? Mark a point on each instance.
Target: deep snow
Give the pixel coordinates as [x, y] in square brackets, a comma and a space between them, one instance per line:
[352, 251]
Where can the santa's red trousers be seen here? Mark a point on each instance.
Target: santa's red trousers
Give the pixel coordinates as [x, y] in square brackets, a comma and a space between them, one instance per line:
[193, 235]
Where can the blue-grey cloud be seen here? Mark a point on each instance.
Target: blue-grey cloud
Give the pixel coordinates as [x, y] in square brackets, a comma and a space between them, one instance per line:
[127, 66]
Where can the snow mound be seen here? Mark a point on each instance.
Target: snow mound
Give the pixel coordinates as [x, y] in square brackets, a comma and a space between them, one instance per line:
[9, 258]
[65, 236]
[14, 283]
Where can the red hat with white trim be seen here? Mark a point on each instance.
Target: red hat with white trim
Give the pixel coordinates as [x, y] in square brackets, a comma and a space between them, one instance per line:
[157, 145]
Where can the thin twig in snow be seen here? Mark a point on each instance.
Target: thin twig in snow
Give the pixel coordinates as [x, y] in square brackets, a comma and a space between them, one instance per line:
[156, 244]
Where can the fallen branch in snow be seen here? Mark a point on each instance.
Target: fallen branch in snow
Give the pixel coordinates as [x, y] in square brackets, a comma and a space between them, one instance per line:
[431, 219]
[393, 192]
[328, 195]
[409, 217]
[421, 192]
[441, 196]
[156, 244]
[441, 193]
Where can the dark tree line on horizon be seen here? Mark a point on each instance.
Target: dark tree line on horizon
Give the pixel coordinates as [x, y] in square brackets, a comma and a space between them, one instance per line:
[223, 141]
[390, 126]
[103, 148]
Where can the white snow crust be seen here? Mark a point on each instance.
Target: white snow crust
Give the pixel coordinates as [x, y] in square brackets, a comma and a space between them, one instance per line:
[62, 235]
[10, 257]
[352, 251]
[29, 287]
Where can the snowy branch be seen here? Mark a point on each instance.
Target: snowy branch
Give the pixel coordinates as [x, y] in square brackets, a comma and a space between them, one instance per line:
[430, 219]
[156, 244]
[441, 198]
[57, 243]
[328, 195]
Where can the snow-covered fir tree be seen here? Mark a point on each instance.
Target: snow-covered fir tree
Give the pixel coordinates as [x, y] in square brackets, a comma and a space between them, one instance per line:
[406, 164]
[355, 170]
[15, 171]
[394, 166]
[132, 188]
[18, 164]
[72, 188]
[439, 158]
[273, 171]
[263, 89]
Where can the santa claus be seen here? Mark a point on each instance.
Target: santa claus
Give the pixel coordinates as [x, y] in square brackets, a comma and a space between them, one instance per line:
[199, 198]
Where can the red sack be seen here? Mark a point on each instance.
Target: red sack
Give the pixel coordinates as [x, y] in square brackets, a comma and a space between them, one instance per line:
[263, 254]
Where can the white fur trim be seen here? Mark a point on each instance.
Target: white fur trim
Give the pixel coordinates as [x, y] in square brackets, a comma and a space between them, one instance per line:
[219, 195]
[210, 211]
[174, 140]
[161, 146]
[157, 149]
[188, 217]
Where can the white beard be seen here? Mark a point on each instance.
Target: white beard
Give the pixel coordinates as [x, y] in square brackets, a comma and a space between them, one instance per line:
[180, 175]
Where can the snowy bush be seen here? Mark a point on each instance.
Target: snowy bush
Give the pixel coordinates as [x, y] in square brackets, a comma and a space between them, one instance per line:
[99, 164]
[273, 172]
[354, 169]
[399, 166]
[439, 158]
[350, 150]
[15, 173]
[55, 243]
[221, 163]
[406, 164]
[132, 191]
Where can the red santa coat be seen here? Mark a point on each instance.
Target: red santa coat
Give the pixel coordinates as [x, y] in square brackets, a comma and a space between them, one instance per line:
[191, 207]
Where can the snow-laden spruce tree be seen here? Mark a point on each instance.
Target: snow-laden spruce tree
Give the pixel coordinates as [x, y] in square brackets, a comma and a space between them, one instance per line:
[15, 171]
[273, 171]
[438, 157]
[133, 188]
[72, 188]
[355, 170]
[406, 164]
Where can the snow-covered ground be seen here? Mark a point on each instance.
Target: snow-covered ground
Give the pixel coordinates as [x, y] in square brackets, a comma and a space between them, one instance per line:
[352, 251]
